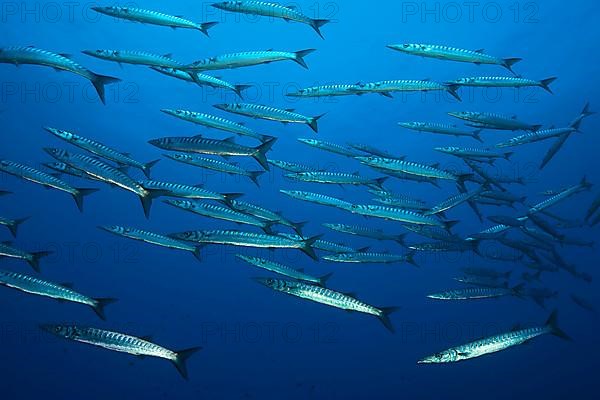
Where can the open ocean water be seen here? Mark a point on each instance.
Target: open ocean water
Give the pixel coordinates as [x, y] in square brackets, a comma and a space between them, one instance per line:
[258, 343]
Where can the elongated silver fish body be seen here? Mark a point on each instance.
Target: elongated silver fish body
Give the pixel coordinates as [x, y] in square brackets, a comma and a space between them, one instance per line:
[100, 149]
[149, 237]
[502, 81]
[449, 53]
[33, 56]
[247, 59]
[396, 214]
[371, 150]
[219, 212]
[282, 269]
[473, 293]
[215, 165]
[212, 121]
[407, 167]
[292, 166]
[182, 190]
[495, 343]
[153, 18]
[33, 175]
[273, 10]
[330, 147]
[360, 257]
[536, 136]
[320, 244]
[64, 168]
[491, 232]
[201, 79]
[454, 201]
[405, 85]
[33, 259]
[473, 153]
[269, 113]
[493, 121]
[135, 57]
[326, 91]
[317, 198]
[432, 232]
[552, 200]
[364, 232]
[443, 129]
[338, 178]
[264, 214]
[456, 245]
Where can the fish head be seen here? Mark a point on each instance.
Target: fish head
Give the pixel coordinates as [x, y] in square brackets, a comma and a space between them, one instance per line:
[188, 235]
[56, 153]
[106, 10]
[98, 53]
[59, 330]
[441, 357]
[161, 143]
[223, 106]
[276, 284]
[311, 142]
[408, 47]
[113, 228]
[227, 5]
[175, 113]
[60, 133]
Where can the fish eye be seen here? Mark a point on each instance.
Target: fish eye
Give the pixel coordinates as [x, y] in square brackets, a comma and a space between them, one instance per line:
[270, 281]
[406, 46]
[57, 329]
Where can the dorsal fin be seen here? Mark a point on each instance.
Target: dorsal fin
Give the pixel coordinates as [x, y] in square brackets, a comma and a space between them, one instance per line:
[480, 51]
[168, 55]
[229, 139]
[290, 109]
[68, 285]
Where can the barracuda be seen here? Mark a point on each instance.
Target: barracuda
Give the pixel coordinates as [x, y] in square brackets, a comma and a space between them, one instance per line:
[502, 81]
[408, 167]
[135, 57]
[153, 18]
[325, 245]
[477, 293]
[508, 220]
[317, 198]
[482, 173]
[33, 259]
[329, 297]
[485, 120]
[330, 147]
[486, 272]
[472, 153]
[211, 121]
[368, 257]
[490, 233]
[454, 54]
[457, 245]
[202, 79]
[495, 343]
[248, 59]
[270, 113]
[482, 281]
[338, 178]
[12, 224]
[433, 232]
[30, 284]
[443, 129]
[409, 177]
[106, 173]
[101, 150]
[398, 214]
[152, 238]
[218, 212]
[60, 62]
[325, 91]
[284, 270]
[216, 165]
[552, 200]
[292, 166]
[366, 232]
[273, 10]
[385, 88]
[33, 175]
[186, 191]
[61, 168]
[365, 148]
[455, 201]
[225, 148]
[248, 239]
[402, 202]
[122, 343]
[264, 214]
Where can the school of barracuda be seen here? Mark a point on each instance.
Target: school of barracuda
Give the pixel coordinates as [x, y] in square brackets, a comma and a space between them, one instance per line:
[528, 227]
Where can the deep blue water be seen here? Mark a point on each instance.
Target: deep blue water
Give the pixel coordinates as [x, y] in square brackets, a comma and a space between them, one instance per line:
[258, 343]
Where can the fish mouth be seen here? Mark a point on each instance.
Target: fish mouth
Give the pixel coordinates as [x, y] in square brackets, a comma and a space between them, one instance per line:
[220, 6]
[220, 106]
[88, 52]
[262, 281]
[167, 111]
[50, 328]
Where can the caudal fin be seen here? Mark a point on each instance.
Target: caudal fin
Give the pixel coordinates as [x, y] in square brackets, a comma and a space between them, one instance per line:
[146, 167]
[509, 62]
[477, 135]
[14, 225]
[299, 56]
[238, 89]
[34, 260]
[80, 194]
[552, 325]
[323, 280]
[180, 359]
[545, 84]
[453, 90]
[410, 258]
[197, 253]
[312, 122]
[146, 204]
[297, 226]
[99, 81]
[205, 26]
[260, 153]
[253, 175]
[307, 247]
[99, 305]
[384, 317]
[316, 24]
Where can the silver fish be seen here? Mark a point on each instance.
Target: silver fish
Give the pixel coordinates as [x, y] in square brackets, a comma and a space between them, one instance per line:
[270, 113]
[317, 198]
[284, 270]
[135, 57]
[484, 120]
[361, 257]
[330, 147]
[502, 81]
[477, 293]
[443, 129]
[12, 224]
[385, 88]
[247, 59]
[201, 79]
